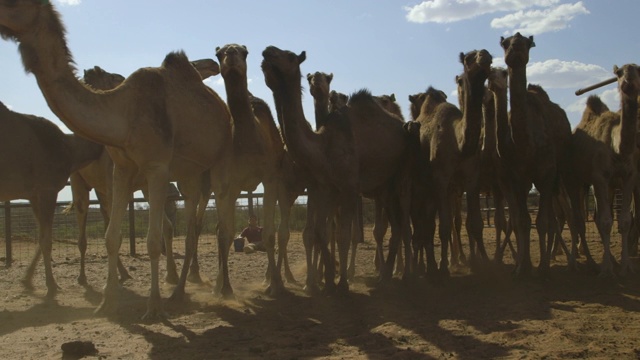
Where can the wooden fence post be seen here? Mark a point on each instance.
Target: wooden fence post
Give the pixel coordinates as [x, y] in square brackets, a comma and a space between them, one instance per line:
[250, 201]
[132, 229]
[7, 232]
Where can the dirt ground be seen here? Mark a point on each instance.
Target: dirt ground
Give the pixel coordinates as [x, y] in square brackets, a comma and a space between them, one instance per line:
[569, 315]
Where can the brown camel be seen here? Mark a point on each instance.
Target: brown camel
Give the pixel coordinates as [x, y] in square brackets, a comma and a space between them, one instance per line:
[161, 122]
[340, 160]
[533, 154]
[98, 175]
[39, 174]
[325, 101]
[319, 85]
[449, 140]
[258, 150]
[604, 155]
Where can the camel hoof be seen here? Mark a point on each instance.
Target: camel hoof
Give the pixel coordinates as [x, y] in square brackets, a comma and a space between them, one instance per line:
[82, 280]
[329, 289]
[289, 277]
[276, 290]
[523, 272]
[177, 295]
[171, 278]
[194, 277]
[27, 284]
[155, 314]
[124, 277]
[226, 292]
[312, 289]
[343, 288]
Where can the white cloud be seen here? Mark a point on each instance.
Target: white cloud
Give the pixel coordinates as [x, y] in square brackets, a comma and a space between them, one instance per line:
[560, 74]
[70, 2]
[540, 21]
[214, 81]
[527, 16]
[446, 11]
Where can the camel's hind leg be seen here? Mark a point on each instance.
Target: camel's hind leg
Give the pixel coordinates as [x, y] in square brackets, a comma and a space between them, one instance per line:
[43, 208]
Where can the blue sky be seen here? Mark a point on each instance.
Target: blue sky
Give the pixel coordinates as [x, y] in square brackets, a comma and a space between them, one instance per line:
[399, 47]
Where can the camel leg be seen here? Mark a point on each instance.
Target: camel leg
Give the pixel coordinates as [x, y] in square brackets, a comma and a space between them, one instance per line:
[205, 195]
[500, 222]
[347, 217]
[284, 235]
[604, 222]
[43, 206]
[122, 179]
[475, 227]
[356, 238]
[81, 206]
[457, 255]
[445, 221]
[380, 226]
[624, 224]
[226, 214]
[544, 228]
[167, 235]
[576, 196]
[105, 209]
[276, 285]
[521, 222]
[158, 184]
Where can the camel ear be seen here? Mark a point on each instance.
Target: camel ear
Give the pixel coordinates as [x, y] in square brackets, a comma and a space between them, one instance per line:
[461, 57]
[309, 76]
[615, 69]
[302, 57]
[329, 77]
[533, 44]
[392, 97]
[502, 41]
[412, 98]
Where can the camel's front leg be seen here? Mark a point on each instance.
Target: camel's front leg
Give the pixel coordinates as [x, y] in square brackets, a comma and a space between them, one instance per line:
[122, 178]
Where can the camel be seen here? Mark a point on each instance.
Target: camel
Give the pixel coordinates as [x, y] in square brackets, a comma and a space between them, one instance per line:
[39, 174]
[258, 152]
[163, 123]
[449, 139]
[488, 181]
[325, 101]
[533, 154]
[319, 85]
[604, 155]
[339, 159]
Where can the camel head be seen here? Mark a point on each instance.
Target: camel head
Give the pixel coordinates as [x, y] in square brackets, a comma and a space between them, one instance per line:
[99, 79]
[319, 84]
[233, 59]
[20, 17]
[516, 49]
[337, 100]
[206, 67]
[628, 79]
[281, 66]
[476, 61]
[416, 104]
[497, 80]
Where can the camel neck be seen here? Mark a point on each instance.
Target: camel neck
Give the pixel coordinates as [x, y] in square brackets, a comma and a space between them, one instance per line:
[489, 115]
[519, 106]
[501, 119]
[45, 54]
[239, 104]
[321, 107]
[472, 112]
[628, 122]
[296, 130]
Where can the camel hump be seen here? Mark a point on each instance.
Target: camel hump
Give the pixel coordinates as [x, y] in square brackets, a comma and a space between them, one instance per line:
[360, 96]
[596, 106]
[537, 89]
[178, 61]
[3, 107]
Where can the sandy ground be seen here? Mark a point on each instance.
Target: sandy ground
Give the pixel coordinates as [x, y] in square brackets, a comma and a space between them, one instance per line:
[569, 315]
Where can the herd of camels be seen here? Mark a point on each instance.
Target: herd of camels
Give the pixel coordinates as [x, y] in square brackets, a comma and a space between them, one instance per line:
[162, 124]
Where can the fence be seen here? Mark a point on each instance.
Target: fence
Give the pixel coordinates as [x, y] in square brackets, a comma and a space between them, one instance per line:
[20, 228]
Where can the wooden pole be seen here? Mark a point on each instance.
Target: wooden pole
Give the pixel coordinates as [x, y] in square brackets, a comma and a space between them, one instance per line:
[595, 86]
[7, 232]
[132, 229]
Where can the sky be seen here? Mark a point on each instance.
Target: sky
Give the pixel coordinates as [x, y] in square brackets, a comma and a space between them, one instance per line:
[400, 47]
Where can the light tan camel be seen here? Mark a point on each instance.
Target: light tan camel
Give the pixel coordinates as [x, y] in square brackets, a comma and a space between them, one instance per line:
[533, 154]
[161, 122]
[605, 156]
[449, 138]
[38, 175]
[258, 150]
[335, 157]
[98, 175]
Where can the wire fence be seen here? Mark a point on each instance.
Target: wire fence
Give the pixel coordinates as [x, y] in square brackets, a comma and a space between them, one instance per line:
[19, 228]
